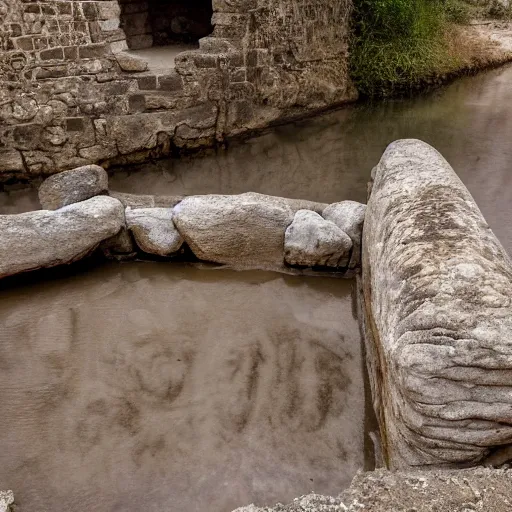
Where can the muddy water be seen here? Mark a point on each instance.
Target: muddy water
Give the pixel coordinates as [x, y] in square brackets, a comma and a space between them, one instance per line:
[163, 387]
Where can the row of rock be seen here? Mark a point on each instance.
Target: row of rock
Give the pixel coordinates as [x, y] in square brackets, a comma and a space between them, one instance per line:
[244, 231]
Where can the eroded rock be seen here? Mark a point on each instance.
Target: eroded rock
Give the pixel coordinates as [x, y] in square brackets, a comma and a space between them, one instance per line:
[6, 500]
[131, 63]
[154, 230]
[311, 241]
[73, 186]
[437, 288]
[349, 217]
[40, 239]
[429, 491]
[242, 231]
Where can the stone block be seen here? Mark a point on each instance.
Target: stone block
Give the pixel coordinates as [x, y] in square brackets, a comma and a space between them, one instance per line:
[437, 303]
[92, 51]
[311, 241]
[147, 83]
[74, 124]
[71, 52]
[27, 136]
[154, 230]
[240, 231]
[131, 63]
[53, 54]
[108, 10]
[171, 82]
[137, 103]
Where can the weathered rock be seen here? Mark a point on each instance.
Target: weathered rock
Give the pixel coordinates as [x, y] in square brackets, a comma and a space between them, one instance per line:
[131, 63]
[243, 231]
[40, 239]
[429, 491]
[437, 295]
[313, 241]
[6, 500]
[154, 230]
[73, 186]
[348, 216]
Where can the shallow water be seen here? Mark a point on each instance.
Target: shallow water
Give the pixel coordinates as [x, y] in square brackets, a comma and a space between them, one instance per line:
[164, 387]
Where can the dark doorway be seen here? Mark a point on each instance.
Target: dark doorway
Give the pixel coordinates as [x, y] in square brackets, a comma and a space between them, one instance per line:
[165, 22]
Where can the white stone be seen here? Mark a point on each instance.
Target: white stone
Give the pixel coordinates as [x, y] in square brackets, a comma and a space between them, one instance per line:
[313, 241]
[73, 186]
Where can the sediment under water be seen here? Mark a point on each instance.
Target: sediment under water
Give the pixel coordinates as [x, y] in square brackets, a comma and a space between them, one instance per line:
[157, 386]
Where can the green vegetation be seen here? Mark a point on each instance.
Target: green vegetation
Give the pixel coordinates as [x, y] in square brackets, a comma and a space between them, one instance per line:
[397, 44]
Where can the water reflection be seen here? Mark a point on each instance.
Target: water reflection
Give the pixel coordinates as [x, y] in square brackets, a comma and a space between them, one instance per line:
[164, 387]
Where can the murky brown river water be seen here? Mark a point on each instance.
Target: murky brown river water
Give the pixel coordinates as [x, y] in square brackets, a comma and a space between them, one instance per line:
[164, 387]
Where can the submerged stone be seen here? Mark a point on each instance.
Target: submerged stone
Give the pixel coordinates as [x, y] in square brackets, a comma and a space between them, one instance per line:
[40, 239]
[73, 186]
[313, 241]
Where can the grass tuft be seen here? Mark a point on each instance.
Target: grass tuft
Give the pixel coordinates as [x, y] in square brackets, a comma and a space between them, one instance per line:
[396, 44]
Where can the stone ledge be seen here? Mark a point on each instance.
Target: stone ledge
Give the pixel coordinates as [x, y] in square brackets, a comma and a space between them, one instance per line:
[430, 491]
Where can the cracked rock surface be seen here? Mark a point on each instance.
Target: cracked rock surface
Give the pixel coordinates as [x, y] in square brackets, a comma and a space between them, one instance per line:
[437, 288]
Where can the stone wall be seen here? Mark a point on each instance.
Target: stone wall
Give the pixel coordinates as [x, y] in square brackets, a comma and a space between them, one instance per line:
[70, 94]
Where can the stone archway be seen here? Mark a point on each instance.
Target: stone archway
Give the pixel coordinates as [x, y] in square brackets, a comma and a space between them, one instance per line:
[150, 23]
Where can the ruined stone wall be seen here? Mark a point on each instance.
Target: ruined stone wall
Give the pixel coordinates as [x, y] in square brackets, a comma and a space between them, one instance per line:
[71, 95]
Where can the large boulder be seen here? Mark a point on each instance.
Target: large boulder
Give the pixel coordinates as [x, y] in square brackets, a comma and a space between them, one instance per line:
[428, 491]
[349, 217]
[242, 231]
[39, 239]
[154, 230]
[312, 241]
[73, 186]
[437, 303]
